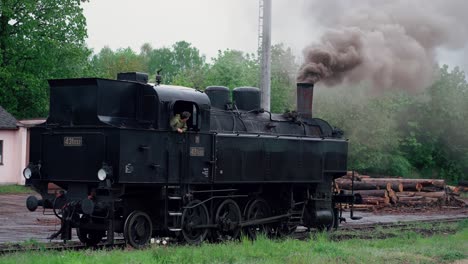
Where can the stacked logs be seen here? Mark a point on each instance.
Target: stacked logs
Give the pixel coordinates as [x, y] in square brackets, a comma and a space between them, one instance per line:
[375, 193]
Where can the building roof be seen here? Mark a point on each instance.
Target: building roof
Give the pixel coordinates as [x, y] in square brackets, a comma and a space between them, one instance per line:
[7, 121]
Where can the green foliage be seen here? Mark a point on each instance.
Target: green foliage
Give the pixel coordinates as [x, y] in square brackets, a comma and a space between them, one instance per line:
[435, 128]
[39, 40]
[108, 63]
[283, 78]
[14, 189]
[232, 68]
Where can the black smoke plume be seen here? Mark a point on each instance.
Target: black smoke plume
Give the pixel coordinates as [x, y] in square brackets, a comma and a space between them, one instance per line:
[390, 44]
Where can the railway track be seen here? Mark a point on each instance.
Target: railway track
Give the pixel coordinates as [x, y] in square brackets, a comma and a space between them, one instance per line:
[302, 235]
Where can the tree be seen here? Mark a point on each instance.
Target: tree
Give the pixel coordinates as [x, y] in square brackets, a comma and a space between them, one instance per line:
[232, 68]
[283, 78]
[181, 57]
[436, 126]
[39, 39]
[108, 63]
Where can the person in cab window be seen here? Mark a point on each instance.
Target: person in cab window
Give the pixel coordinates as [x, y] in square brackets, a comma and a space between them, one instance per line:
[179, 122]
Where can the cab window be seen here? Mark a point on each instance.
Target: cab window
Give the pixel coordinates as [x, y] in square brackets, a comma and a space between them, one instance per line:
[193, 123]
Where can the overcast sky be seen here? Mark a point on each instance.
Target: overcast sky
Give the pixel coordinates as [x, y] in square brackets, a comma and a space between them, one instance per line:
[210, 25]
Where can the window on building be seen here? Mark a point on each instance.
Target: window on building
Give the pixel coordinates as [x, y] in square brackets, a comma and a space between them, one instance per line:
[1, 152]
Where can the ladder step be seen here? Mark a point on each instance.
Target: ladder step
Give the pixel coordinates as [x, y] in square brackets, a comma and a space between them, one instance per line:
[174, 197]
[172, 187]
[175, 229]
[175, 213]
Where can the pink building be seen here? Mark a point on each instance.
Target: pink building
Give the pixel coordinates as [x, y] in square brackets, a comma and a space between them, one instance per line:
[14, 146]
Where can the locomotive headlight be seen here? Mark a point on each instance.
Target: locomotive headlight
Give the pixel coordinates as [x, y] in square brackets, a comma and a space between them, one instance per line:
[105, 172]
[102, 174]
[27, 173]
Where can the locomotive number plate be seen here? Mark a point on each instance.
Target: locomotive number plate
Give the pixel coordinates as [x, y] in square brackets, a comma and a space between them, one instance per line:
[72, 141]
[197, 151]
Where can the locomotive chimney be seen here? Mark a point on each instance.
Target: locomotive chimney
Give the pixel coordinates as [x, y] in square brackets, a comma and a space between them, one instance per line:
[305, 94]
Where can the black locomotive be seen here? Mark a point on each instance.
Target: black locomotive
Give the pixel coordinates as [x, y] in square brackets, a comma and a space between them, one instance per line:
[109, 146]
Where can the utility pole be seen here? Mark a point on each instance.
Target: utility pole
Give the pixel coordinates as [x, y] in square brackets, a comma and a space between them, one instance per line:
[264, 38]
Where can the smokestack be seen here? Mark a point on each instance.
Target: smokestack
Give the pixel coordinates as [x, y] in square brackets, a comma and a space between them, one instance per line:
[305, 95]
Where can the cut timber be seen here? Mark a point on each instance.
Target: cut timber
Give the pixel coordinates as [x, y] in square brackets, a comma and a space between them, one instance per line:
[432, 194]
[405, 194]
[368, 184]
[386, 183]
[410, 186]
[423, 182]
[394, 186]
[422, 194]
[367, 193]
[453, 189]
[358, 185]
[431, 189]
[393, 197]
[363, 207]
[375, 200]
[407, 198]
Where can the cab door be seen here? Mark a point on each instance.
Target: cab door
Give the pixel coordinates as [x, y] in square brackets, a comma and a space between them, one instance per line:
[200, 157]
[176, 157]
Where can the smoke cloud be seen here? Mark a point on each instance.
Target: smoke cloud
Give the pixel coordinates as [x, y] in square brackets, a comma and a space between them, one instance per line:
[390, 44]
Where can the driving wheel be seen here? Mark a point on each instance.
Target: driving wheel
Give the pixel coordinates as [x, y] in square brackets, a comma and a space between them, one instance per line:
[228, 218]
[257, 209]
[138, 229]
[194, 217]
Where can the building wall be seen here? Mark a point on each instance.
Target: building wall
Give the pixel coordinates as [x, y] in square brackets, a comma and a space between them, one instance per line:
[14, 156]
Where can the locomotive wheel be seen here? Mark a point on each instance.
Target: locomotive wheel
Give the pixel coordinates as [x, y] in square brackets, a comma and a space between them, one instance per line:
[333, 225]
[193, 217]
[228, 216]
[88, 237]
[138, 229]
[257, 209]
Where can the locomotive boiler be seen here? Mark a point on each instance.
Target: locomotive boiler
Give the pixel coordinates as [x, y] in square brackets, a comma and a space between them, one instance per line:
[108, 145]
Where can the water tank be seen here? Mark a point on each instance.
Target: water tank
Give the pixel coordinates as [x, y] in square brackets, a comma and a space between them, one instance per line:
[219, 96]
[246, 98]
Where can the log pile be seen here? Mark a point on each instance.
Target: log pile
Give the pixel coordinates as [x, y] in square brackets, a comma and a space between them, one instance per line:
[376, 193]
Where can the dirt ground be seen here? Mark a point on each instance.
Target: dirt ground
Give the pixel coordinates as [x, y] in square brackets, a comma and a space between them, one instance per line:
[18, 224]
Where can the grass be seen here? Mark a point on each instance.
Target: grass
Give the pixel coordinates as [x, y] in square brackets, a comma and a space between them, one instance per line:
[464, 195]
[14, 189]
[404, 247]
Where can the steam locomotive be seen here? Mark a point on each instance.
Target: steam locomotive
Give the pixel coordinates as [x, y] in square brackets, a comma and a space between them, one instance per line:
[108, 145]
